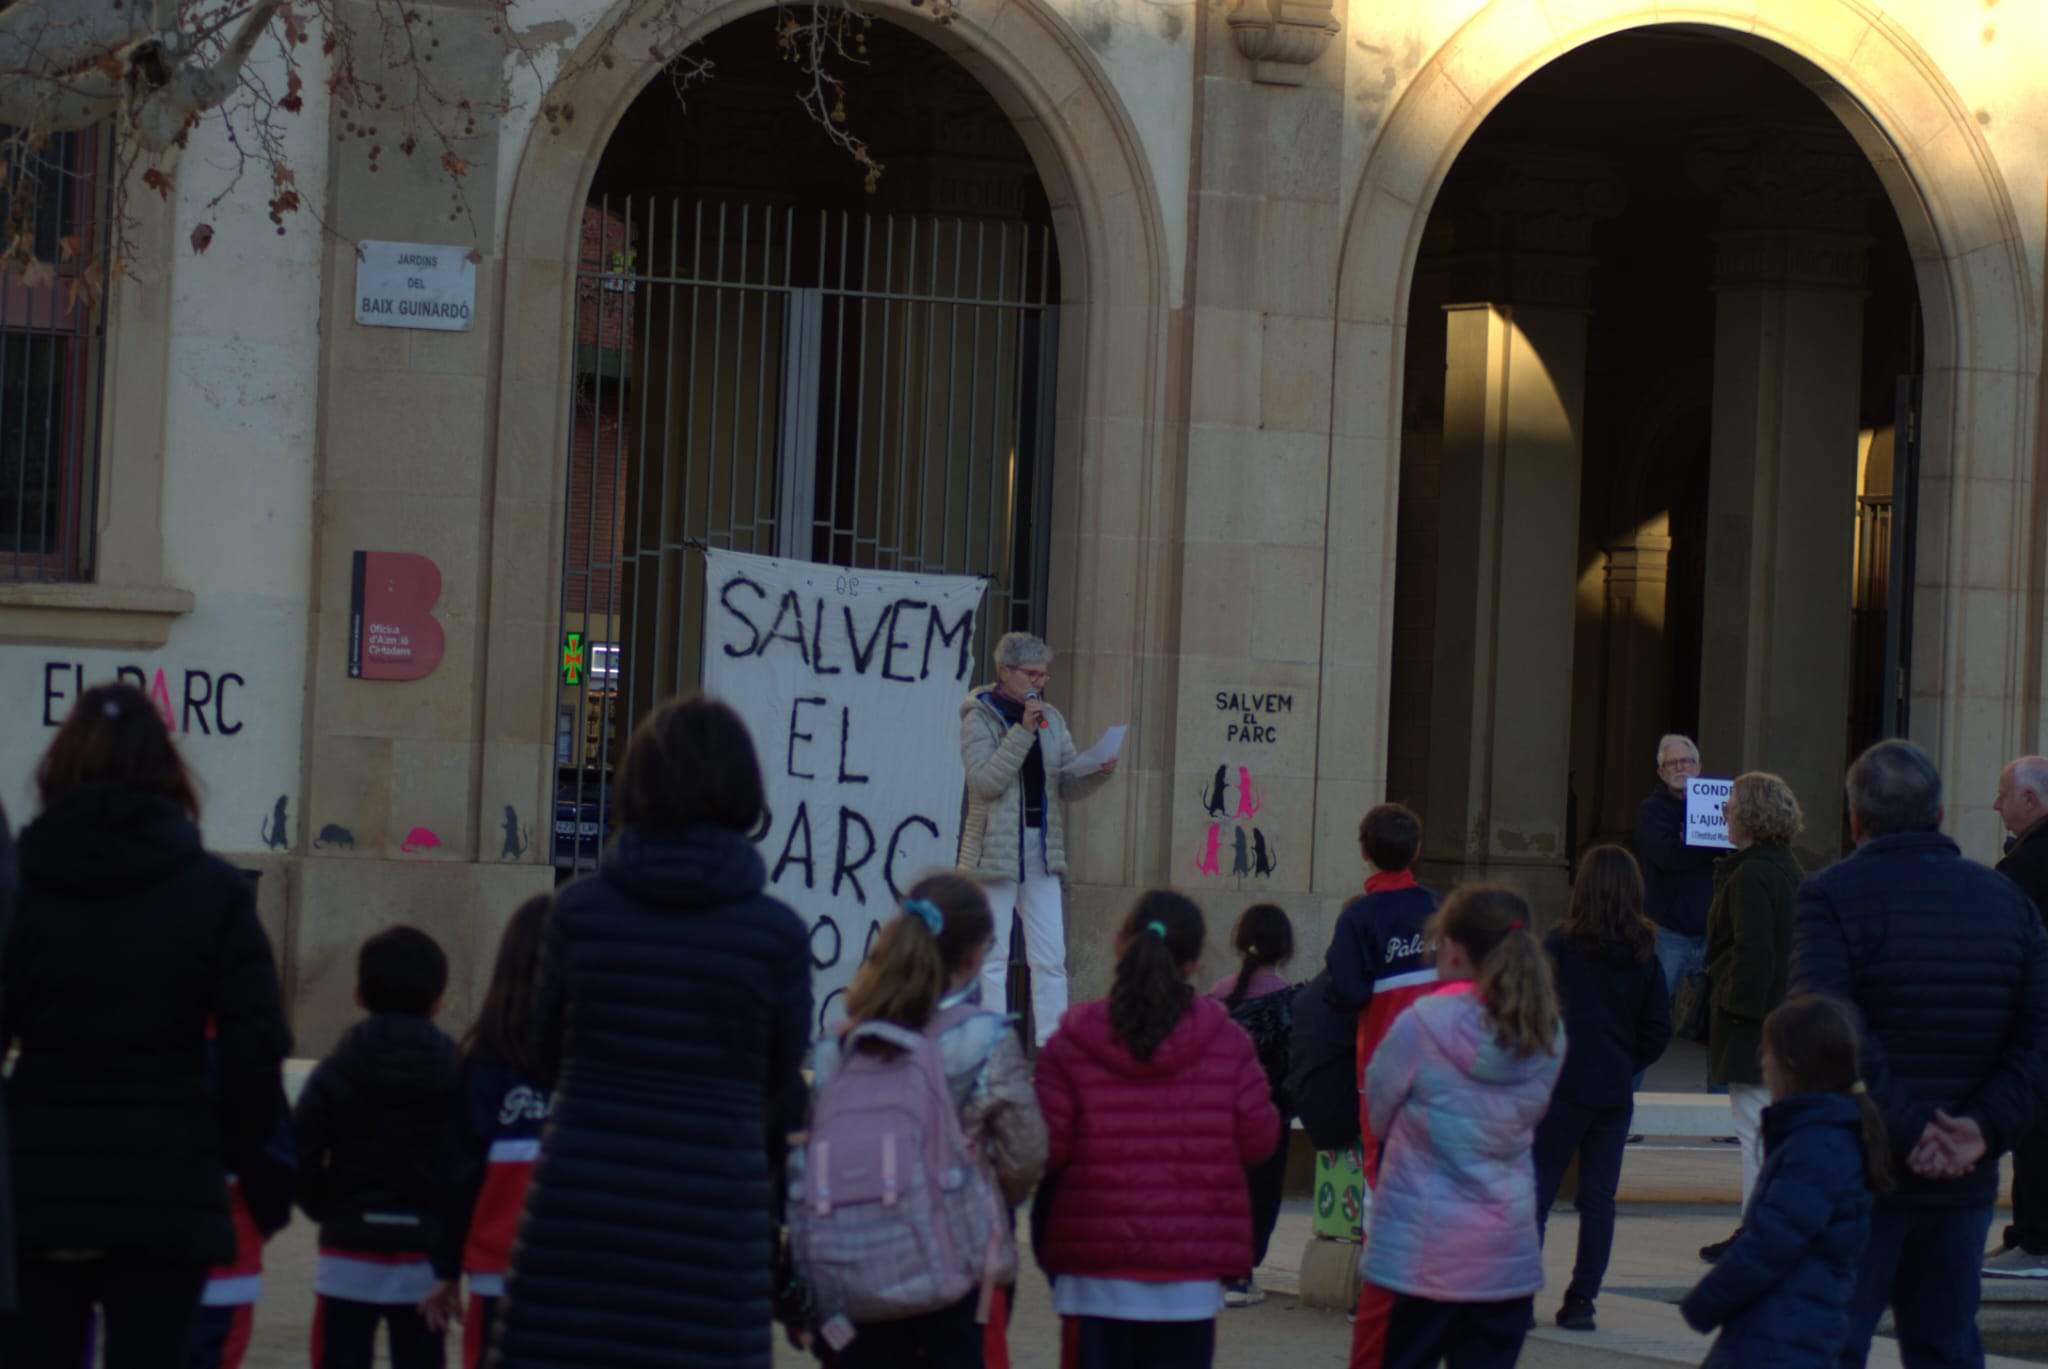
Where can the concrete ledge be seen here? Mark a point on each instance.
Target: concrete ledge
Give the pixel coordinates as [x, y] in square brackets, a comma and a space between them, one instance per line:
[1682, 1114]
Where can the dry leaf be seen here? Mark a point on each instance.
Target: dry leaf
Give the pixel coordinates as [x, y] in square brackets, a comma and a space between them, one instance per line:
[38, 275]
[202, 237]
[67, 247]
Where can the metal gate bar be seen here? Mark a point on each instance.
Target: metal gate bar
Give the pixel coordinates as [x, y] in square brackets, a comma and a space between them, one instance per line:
[673, 466]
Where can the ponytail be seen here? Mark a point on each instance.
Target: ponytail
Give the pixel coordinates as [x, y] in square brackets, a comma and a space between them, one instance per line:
[1814, 1040]
[1877, 1145]
[1265, 938]
[904, 974]
[1512, 974]
[1162, 935]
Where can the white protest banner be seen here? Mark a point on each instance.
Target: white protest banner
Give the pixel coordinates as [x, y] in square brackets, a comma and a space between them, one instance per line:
[851, 682]
[1705, 825]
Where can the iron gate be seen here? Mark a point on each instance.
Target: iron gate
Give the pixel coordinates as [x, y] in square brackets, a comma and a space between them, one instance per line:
[871, 392]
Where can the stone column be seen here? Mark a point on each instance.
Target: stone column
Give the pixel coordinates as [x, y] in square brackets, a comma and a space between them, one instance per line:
[1514, 393]
[1500, 727]
[1635, 676]
[1788, 345]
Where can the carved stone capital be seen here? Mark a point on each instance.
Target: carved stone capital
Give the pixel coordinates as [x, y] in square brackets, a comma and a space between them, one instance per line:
[1771, 176]
[1516, 225]
[1282, 37]
[1810, 259]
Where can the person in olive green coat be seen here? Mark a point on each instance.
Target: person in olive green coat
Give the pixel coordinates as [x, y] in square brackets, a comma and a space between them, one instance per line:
[1749, 952]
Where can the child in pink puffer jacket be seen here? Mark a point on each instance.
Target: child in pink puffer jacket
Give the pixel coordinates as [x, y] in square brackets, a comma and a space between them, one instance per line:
[1457, 1088]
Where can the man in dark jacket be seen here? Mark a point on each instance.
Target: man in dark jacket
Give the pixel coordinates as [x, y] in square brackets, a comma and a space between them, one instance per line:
[2023, 806]
[1948, 965]
[1678, 880]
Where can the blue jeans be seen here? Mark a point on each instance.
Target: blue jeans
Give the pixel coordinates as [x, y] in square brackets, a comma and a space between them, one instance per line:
[1926, 1263]
[1676, 953]
[1597, 1137]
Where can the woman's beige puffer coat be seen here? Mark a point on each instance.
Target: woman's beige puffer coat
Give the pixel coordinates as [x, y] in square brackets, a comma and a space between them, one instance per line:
[991, 835]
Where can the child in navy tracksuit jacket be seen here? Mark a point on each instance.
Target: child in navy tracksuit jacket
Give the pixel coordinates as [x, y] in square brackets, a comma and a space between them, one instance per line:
[1781, 1292]
[1380, 961]
[495, 1142]
[372, 1131]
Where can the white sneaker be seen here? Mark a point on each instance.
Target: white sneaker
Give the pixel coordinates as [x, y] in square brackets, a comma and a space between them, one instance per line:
[2016, 1264]
[1242, 1293]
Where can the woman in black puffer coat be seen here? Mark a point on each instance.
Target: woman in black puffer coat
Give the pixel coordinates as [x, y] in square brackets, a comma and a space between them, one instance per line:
[129, 943]
[674, 1010]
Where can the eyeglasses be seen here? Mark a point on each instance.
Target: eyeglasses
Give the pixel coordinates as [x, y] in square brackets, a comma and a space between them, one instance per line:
[1032, 673]
[1681, 763]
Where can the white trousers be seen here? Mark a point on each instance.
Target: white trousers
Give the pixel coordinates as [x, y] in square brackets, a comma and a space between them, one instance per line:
[1037, 899]
[1747, 1102]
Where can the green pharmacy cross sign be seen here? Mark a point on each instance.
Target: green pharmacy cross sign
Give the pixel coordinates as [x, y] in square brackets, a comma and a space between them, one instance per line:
[572, 658]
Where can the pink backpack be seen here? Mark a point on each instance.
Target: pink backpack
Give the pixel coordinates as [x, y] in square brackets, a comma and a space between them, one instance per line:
[891, 1213]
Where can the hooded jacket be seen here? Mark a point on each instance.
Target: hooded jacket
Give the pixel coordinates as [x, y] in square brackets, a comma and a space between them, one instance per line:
[127, 939]
[994, 751]
[1149, 1155]
[372, 1128]
[672, 1010]
[1781, 1292]
[1454, 1212]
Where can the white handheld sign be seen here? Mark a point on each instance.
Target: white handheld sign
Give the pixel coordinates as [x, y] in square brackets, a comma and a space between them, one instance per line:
[1705, 824]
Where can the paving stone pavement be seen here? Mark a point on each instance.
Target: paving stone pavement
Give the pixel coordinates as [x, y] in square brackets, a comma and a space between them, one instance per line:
[1677, 1196]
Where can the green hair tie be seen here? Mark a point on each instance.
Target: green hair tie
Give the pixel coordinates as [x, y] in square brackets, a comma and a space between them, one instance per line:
[1157, 929]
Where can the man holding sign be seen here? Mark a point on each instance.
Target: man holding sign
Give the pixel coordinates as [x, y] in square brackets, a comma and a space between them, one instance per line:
[1021, 768]
[1678, 878]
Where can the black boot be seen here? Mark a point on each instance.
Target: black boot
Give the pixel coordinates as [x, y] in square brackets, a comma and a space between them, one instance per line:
[1576, 1314]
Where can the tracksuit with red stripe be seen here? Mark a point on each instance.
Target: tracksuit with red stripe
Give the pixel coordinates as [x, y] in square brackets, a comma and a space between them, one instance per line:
[1379, 962]
[495, 1143]
[372, 1130]
[227, 1306]
[259, 1206]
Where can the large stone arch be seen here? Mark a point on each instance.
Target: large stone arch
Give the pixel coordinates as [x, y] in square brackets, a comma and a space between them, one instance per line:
[1114, 521]
[1976, 642]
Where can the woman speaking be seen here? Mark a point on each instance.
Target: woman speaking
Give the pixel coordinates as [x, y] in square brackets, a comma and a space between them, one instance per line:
[1020, 762]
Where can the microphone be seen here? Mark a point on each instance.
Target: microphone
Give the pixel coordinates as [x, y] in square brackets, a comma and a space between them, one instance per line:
[1031, 696]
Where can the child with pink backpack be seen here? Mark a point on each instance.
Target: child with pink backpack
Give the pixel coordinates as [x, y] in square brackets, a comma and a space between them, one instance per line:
[925, 1129]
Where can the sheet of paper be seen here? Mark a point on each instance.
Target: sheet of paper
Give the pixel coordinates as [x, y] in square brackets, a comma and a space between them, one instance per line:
[1106, 749]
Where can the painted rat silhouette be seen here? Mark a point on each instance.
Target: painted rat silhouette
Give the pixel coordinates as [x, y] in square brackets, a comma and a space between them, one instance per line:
[1248, 804]
[333, 834]
[419, 839]
[277, 836]
[1207, 863]
[1216, 798]
[1264, 861]
[1240, 864]
[517, 840]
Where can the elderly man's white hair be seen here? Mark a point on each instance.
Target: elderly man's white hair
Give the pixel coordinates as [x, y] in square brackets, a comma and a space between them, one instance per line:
[2031, 773]
[1021, 649]
[1664, 743]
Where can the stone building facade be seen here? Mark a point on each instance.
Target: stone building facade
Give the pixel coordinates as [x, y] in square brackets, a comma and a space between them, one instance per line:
[1425, 399]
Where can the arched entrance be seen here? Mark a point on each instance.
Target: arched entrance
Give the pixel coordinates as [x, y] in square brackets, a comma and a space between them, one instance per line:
[1511, 706]
[1090, 191]
[1661, 317]
[774, 356]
